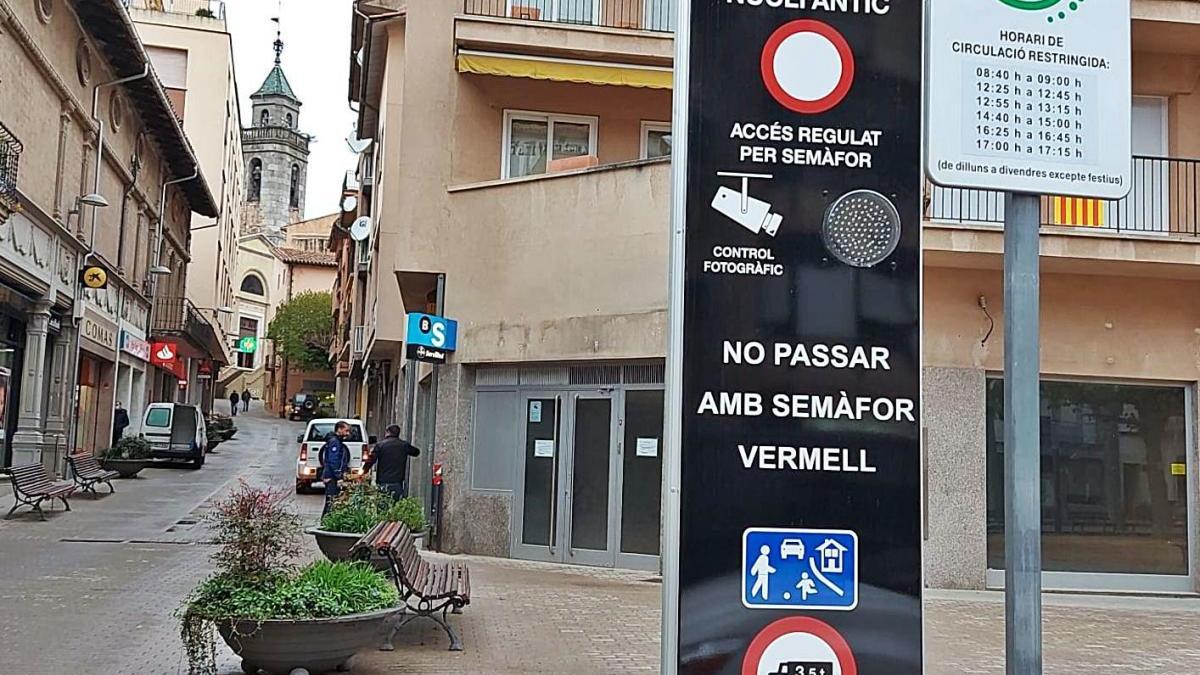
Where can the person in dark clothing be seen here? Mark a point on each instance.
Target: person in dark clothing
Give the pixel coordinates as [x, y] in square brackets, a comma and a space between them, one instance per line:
[120, 422]
[245, 400]
[233, 403]
[391, 454]
[334, 457]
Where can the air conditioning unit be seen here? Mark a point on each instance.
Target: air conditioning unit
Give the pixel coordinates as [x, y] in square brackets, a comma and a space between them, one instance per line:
[360, 340]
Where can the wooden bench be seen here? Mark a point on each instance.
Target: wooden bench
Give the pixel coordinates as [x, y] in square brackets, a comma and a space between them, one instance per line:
[87, 472]
[32, 485]
[426, 588]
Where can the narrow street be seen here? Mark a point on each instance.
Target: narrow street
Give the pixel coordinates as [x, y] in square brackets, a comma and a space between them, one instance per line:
[94, 591]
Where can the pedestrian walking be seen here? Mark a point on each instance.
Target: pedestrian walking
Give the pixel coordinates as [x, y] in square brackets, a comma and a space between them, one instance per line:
[233, 403]
[762, 572]
[391, 454]
[120, 422]
[334, 458]
[245, 400]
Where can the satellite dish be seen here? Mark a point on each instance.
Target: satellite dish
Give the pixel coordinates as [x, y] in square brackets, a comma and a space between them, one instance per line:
[360, 229]
[349, 203]
[357, 144]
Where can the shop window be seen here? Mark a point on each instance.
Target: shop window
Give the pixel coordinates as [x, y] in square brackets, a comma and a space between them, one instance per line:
[656, 140]
[534, 142]
[1114, 470]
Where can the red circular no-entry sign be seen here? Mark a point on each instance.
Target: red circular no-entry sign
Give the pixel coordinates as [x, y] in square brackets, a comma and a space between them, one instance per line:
[798, 645]
[807, 66]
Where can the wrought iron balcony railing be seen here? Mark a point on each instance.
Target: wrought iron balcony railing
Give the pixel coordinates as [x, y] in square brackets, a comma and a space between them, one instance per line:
[649, 15]
[1164, 199]
[10, 159]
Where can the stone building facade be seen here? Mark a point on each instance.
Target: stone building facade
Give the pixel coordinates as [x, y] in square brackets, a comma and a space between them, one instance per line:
[90, 152]
[275, 153]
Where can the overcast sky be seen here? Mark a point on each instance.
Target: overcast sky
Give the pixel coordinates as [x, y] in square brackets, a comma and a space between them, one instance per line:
[316, 35]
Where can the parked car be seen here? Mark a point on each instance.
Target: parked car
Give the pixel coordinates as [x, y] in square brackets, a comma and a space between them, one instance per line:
[304, 407]
[175, 431]
[308, 465]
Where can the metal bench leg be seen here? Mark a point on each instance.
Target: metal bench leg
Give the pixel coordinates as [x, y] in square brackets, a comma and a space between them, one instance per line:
[13, 510]
[38, 507]
[65, 503]
[457, 609]
[455, 643]
[111, 489]
[387, 645]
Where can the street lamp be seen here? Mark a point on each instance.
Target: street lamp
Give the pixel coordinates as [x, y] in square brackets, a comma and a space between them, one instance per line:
[160, 270]
[94, 199]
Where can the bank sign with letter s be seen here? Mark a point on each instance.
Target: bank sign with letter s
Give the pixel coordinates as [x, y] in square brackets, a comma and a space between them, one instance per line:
[431, 338]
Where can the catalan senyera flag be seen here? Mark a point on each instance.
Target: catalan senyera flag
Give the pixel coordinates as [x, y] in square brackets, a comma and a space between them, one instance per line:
[1076, 211]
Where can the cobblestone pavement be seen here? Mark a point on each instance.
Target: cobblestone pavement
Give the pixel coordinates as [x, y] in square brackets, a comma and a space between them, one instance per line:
[93, 591]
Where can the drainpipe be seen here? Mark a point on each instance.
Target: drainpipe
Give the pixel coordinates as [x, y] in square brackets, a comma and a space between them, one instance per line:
[158, 236]
[431, 411]
[73, 429]
[100, 143]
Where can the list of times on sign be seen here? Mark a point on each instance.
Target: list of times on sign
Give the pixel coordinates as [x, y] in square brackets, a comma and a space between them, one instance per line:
[1026, 112]
[1030, 97]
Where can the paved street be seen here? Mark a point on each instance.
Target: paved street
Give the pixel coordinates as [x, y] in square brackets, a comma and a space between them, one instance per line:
[93, 591]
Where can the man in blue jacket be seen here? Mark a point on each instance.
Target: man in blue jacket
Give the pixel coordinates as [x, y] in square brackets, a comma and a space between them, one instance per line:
[335, 462]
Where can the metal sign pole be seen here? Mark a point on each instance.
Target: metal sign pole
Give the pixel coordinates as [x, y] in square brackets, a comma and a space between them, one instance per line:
[1022, 437]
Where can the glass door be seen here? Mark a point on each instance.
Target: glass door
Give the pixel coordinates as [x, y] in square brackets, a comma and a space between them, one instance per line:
[641, 480]
[591, 469]
[536, 508]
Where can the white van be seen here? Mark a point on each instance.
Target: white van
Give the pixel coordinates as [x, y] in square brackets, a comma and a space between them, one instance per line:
[175, 431]
[308, 466]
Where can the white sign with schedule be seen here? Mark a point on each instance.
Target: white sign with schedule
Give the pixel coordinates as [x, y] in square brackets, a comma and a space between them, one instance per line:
[1030, 96]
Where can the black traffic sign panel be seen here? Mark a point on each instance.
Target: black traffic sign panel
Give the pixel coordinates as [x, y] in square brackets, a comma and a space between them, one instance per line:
[801, 335]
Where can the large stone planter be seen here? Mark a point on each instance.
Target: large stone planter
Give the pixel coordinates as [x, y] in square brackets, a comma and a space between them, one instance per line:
[127, 468]
[279, 647]
[336, 546]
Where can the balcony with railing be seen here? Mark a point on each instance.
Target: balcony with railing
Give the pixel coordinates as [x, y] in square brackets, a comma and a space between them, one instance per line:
[282, 134]
[211, 9]
[179, 318]
[1163, 200]
[650, 15]
[10, 158]
[635, 32]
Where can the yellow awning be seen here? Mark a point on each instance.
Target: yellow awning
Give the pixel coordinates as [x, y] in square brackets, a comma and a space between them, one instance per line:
[564, 71]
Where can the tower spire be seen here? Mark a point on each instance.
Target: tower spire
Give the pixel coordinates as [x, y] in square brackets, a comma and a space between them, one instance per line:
[278, 41]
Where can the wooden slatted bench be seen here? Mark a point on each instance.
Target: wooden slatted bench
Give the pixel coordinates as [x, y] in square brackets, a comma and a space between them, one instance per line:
[32, 485]
[426, 588]
[88, 473]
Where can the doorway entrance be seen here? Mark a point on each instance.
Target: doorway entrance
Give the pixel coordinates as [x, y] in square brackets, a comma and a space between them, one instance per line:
[590, 481]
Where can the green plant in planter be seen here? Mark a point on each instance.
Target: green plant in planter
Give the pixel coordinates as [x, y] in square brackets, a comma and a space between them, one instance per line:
[408, 511]
[257, 537]
[129, 447]
[362, 505]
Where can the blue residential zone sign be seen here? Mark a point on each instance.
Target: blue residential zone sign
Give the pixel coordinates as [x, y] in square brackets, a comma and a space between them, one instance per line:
[799, 569]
